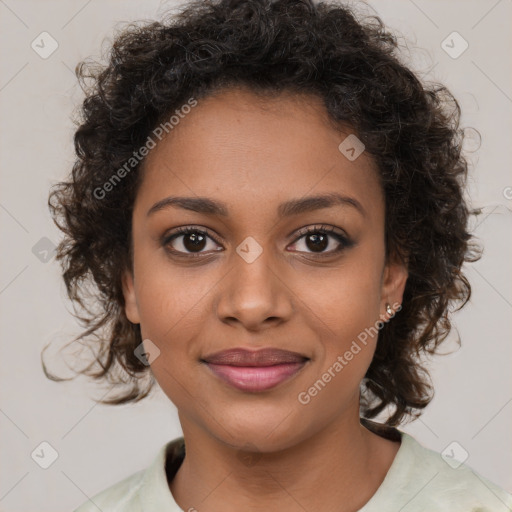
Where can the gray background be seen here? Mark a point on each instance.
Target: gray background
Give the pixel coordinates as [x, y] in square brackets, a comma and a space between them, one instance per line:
[99, 445]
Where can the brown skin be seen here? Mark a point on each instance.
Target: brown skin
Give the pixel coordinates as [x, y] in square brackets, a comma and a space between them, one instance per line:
[309, 457]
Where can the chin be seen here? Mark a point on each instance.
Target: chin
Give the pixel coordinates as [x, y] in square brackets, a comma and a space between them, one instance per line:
[265, 434]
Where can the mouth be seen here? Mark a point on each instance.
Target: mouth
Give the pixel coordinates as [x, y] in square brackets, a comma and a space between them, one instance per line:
[254, 371]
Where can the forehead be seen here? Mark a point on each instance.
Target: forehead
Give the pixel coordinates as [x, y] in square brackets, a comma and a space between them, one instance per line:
[252, 151]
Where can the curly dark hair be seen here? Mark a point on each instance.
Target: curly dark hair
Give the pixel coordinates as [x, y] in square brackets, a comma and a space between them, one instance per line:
[411, 129]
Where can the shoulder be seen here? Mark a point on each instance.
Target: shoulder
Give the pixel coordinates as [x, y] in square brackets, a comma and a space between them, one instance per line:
[121, 496]
[146, 489]
[431, 481]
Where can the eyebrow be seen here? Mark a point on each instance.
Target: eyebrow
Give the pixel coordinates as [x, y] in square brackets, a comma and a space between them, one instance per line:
[209, 206]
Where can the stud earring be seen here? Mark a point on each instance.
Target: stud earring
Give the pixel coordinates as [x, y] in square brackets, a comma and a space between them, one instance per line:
[389, 310]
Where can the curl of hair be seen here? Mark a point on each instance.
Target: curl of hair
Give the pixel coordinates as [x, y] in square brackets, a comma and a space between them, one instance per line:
[411, 129]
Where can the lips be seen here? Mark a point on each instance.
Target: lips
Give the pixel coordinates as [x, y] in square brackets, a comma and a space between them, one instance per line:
[254, 371]
[262, 357]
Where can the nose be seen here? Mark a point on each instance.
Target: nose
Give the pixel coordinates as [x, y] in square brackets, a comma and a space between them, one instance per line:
[254, 295]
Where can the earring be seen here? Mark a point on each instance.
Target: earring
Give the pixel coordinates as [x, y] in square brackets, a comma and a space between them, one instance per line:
[389, 309]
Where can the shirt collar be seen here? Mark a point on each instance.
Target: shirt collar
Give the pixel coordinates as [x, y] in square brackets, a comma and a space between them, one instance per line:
[154, 492]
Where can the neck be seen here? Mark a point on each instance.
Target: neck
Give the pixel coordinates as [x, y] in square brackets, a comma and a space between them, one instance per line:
[339, 468]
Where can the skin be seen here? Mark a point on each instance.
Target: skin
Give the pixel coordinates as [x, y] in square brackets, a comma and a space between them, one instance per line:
[254, 153]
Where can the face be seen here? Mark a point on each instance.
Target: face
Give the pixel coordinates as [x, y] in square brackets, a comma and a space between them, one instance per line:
[267, 269]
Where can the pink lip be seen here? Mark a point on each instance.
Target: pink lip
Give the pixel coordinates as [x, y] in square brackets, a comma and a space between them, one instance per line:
[262, 357]
[255, 378]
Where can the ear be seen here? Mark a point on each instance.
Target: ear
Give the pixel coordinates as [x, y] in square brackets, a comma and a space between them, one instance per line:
[131, 307]
[394, 279]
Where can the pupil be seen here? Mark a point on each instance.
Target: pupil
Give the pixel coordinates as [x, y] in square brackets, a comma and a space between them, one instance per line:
[316, 238]
[196, 239]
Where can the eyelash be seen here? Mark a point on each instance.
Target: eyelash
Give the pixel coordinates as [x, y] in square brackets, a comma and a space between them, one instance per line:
[344, 241]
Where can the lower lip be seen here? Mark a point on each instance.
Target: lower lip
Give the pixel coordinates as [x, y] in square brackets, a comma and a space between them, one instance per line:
[255, 378]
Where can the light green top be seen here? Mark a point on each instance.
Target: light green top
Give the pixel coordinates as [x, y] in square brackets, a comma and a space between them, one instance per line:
[419, 479]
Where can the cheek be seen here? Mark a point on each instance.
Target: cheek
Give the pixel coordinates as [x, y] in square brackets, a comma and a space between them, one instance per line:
[169, 296]
[347, 312]
[349, 299]
[171, 316]
[173, 322]
[174, 304]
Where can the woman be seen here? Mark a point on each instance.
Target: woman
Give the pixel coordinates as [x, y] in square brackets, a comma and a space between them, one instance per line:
[270, 205]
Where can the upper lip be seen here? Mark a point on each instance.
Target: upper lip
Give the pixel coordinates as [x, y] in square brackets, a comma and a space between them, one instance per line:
[262, 357]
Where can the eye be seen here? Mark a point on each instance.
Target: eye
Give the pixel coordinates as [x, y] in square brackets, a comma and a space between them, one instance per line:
[188, 241]
[318, 239]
